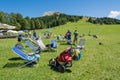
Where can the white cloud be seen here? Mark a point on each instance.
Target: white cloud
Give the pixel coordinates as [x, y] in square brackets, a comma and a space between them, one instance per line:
[114, 14]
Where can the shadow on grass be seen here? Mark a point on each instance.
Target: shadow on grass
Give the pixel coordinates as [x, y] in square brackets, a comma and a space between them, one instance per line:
[56, 70]
[50, 50]
[15, 58]
[68, 70]
[12, 65]
[19, 65]
[59, 41]
[119, 43]
[66, 44]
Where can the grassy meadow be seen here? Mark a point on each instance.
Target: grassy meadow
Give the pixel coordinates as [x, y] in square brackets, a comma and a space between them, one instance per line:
[98, 62]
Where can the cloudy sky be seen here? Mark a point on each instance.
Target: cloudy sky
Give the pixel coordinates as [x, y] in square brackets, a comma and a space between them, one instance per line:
[36, 8]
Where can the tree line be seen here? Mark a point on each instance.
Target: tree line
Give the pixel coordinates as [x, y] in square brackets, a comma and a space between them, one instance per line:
[22, 23]
[104, 20]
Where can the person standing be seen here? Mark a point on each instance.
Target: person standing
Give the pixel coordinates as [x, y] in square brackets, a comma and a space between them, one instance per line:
[75, 37]
[34, 34]
[69, 35]
[19, 38]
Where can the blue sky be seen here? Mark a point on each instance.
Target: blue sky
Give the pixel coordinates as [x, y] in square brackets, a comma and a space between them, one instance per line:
[36, 8]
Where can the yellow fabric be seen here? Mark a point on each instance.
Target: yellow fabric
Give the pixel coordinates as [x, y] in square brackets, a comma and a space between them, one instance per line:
[76, 52]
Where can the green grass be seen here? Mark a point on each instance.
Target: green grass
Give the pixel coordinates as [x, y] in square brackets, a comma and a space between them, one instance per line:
[99, 62]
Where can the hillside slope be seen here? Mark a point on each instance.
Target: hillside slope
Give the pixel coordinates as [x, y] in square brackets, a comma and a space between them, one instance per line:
[98, 62]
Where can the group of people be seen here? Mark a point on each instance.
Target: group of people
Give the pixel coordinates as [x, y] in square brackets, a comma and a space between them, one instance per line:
[22, 37]
[69, 34]
[34, 39]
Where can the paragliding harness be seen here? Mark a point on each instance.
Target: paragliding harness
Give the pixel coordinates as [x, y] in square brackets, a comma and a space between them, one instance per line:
[63, 61]
[77, 54]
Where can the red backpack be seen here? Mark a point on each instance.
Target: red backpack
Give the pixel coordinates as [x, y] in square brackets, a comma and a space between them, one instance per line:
[65, 56]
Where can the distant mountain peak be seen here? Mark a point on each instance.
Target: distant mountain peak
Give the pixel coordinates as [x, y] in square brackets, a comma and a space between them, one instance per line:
[50, 13]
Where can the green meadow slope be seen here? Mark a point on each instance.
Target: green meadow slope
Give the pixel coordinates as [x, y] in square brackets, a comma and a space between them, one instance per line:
[98, 62]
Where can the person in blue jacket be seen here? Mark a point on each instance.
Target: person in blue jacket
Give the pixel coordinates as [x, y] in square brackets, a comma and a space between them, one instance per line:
[69, 35]
[34, 34]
